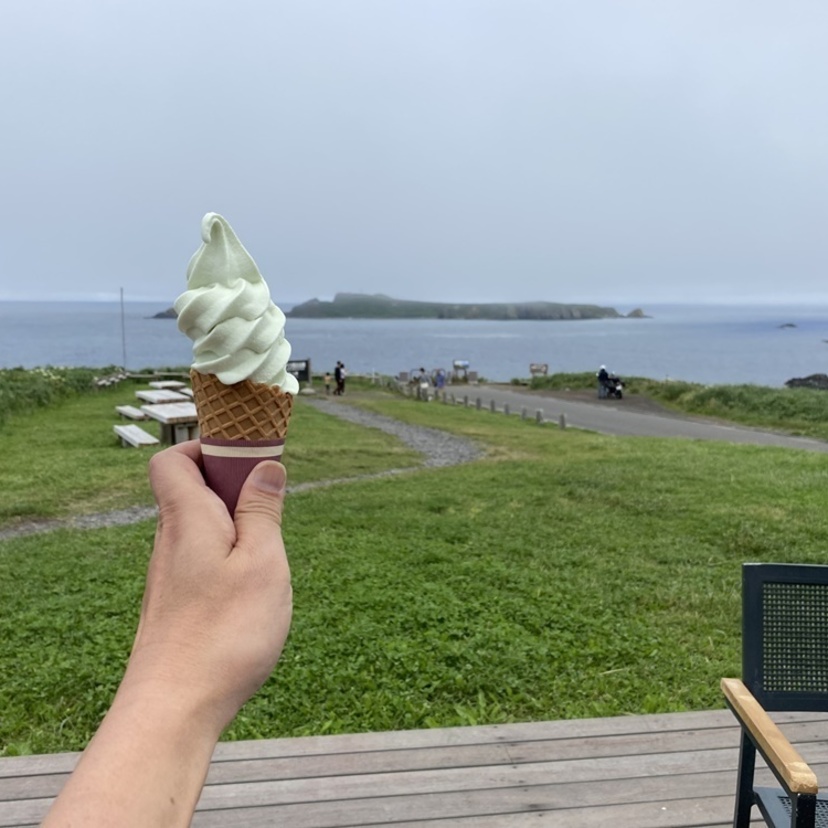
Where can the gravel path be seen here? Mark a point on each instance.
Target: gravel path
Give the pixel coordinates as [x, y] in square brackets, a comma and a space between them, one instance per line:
[438, 448]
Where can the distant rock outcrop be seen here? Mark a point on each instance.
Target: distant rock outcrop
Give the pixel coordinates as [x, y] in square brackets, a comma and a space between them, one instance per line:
[637, 314]
[818, 381]
[788, 325]
[363, 306]
[169, 313]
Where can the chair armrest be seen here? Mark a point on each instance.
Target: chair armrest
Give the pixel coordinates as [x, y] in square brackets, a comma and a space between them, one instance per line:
[780, 754]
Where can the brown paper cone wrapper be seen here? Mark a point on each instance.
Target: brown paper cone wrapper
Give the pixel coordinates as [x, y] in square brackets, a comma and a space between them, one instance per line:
[241, 425]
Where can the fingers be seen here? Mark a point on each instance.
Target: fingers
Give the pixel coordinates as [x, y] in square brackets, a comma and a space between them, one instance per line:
[259, 510]
[175, 471]
[186, 506]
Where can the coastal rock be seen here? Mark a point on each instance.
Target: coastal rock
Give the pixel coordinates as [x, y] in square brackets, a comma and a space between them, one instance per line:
[788, 325]
[818, 381]
[637, 314]
[378, 306]
[169, 313]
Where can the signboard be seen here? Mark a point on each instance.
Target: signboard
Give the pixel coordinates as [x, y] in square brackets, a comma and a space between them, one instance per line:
[301, 369]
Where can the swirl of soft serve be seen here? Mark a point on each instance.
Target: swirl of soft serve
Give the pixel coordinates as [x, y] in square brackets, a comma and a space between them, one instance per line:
[237, 331]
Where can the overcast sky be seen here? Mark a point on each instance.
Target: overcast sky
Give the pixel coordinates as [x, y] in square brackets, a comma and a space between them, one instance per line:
[615, 151]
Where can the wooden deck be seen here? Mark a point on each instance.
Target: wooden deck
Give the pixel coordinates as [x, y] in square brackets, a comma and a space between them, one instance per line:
[662, 771]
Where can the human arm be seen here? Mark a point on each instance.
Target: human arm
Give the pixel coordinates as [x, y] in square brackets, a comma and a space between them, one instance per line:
[214, 619]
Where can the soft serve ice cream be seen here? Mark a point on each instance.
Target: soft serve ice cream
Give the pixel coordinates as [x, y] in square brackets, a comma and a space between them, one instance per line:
[237, 331]
[242, 390]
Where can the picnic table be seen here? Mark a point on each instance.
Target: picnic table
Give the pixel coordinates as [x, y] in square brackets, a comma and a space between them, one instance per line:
[161, 395]
[179, 421]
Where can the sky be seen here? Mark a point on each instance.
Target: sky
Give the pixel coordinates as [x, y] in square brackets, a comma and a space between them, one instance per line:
[619, 152]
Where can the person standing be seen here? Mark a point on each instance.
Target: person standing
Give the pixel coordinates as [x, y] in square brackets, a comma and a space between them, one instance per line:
[342, 375]
[603, 379]
[338, 378]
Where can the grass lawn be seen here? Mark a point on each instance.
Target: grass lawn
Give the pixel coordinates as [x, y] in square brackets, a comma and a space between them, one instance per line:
[565, 575]
[66, 460]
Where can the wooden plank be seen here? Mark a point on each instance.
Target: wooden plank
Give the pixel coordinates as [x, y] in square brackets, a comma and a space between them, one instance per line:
[157, 396]
[134, 436]
[568, 774]
[595, 804]
[11, 766]
[486, 734]
[167, 384]
[514, 753]
[793, 769]
[370, 805]
[131, 412]
[530, 820]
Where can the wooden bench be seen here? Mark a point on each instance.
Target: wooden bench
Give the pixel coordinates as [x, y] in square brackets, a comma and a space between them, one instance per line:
[133, 435]
[131, 412]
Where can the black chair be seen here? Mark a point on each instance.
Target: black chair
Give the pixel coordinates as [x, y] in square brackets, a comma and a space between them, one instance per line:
[784, 667]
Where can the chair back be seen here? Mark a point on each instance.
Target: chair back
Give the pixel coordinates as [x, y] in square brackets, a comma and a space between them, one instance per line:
[785, 635]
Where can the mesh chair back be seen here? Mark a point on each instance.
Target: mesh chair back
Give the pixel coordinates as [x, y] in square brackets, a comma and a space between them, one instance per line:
[785, 635]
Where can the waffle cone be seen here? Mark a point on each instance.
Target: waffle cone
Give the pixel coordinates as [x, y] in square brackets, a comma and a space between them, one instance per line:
[245, 411]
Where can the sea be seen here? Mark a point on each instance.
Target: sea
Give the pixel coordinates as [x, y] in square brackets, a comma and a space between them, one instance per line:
[710, 344]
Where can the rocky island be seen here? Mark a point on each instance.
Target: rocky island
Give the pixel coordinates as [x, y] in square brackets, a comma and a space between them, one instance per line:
[378, 306]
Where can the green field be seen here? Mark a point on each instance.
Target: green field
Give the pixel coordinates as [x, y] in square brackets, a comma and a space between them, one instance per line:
[565, 574]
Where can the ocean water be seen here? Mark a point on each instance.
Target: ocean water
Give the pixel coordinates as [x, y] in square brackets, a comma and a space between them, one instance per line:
[708, 344]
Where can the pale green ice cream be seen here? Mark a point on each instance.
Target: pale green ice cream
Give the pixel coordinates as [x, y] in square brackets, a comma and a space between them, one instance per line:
[237, 331]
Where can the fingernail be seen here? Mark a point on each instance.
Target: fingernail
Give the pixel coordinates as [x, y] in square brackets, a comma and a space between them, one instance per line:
[270, 477]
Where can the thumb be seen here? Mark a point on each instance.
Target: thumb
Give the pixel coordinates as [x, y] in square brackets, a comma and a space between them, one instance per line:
[259, 509]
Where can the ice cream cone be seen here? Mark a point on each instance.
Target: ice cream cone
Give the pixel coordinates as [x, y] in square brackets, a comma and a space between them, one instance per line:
[242, 389]
[240, 425]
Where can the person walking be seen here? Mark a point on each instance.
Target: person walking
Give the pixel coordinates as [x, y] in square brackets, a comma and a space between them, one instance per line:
[603, 378]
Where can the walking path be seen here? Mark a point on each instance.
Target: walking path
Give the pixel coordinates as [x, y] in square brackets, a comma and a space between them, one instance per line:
[438, 447]
[616, 417]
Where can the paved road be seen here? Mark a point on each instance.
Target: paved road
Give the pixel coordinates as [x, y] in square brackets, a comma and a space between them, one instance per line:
[610, 417]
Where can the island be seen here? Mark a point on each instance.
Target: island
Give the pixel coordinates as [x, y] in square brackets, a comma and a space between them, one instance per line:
[379, 306]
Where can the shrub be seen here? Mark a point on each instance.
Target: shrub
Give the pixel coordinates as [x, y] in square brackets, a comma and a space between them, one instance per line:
[23, 389]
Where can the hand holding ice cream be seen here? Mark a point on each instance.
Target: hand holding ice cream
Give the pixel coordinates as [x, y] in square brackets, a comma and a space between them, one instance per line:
[243, 392]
